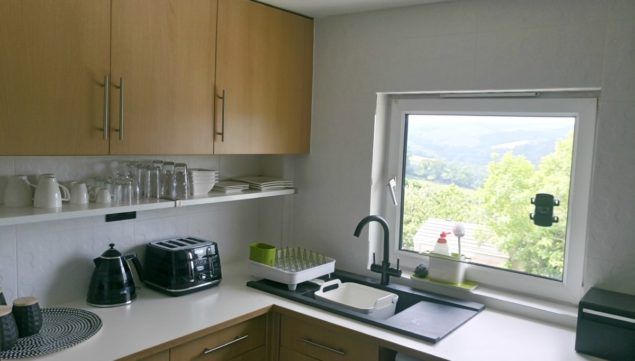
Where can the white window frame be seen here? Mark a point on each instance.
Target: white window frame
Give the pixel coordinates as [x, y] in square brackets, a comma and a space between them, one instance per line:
[388, 163]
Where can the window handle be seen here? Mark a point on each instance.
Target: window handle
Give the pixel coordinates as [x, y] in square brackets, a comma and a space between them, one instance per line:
[392, 183]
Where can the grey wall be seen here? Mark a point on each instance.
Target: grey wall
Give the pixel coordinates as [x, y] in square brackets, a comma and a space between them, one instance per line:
[488, 44]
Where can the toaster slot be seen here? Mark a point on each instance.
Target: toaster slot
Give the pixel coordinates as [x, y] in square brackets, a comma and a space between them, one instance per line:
[165, 244]
[177, 243]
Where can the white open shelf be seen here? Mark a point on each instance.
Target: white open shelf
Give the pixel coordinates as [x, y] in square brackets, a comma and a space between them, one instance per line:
[218, 197]
[11, 216]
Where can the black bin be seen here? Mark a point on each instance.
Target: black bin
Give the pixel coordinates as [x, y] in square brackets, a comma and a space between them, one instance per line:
[606, 325]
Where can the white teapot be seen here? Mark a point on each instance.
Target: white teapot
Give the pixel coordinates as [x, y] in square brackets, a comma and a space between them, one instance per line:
[49, 193]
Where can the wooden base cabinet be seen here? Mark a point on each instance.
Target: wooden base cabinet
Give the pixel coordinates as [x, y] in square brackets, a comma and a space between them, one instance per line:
[233, 343]
[160, 356]
[276, 334]
[244, 340]
[318, 340]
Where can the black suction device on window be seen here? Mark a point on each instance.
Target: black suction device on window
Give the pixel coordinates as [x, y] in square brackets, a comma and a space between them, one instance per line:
[543, 211]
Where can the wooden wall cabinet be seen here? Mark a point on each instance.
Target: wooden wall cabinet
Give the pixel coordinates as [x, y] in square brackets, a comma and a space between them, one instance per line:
[138, 77]
[55, 56]
[53, 59]
[164, 51]
[263, 81]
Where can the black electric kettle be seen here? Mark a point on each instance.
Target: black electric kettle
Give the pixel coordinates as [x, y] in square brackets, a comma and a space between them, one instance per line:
[112, 283]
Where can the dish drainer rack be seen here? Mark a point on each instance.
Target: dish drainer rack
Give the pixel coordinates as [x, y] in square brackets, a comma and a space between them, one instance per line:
[294, 265]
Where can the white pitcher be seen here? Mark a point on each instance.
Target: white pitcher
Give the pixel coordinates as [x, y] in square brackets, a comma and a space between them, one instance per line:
[49, 193]
[18, 192]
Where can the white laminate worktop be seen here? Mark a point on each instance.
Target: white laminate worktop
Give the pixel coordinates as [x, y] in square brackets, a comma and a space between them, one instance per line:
[153, 319]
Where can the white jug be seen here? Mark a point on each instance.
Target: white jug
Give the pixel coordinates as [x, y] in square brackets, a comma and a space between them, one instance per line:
[47, 193]
[18, 192]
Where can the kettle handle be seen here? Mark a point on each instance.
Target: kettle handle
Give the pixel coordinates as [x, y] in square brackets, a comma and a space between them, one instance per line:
[137, 264]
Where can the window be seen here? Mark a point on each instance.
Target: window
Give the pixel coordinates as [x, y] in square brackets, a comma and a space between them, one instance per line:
[482, 162]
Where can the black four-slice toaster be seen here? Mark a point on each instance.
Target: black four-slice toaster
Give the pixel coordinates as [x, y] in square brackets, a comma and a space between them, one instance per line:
[180, 266]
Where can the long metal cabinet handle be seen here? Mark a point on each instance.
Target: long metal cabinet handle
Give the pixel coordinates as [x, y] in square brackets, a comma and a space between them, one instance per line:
[222, 132]
[207, 351]
[106, 129]
[313, 343]
[121, 97]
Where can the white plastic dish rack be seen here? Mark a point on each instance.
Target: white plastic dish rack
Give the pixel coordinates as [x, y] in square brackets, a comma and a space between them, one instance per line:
[293, 265]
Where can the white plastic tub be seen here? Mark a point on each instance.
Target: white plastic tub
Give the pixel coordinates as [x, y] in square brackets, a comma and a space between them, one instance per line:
[446, 269]
[371, 301]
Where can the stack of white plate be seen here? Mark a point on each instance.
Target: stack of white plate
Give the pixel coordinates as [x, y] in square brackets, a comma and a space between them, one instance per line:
[231, 186]
[264, 183]
[202, 180]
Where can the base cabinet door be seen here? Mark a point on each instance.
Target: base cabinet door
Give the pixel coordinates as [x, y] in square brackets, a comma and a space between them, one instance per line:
[228, 344]
[253, 355]
[317, 340]
[290, 355]
[161, 356]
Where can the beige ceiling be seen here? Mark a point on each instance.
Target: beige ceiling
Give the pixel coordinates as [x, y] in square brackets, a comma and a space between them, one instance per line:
[322, 8]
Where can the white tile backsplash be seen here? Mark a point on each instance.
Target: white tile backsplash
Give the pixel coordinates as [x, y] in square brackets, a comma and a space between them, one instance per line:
[53, 261]
[8, 265]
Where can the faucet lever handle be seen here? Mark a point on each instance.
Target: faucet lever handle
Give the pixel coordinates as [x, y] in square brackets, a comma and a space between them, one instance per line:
[373, 257]
[397, 263]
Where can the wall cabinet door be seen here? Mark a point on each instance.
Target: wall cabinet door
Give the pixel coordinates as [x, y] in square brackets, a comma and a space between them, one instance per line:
[164, 51]
[54, 56]
[264, 73]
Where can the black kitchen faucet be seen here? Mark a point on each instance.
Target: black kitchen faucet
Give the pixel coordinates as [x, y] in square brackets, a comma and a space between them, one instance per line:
[384, 269]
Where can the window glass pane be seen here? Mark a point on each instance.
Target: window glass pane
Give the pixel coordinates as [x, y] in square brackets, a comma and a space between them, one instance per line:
[483, 171]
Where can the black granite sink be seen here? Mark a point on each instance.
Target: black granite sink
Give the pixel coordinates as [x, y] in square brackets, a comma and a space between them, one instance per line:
[422, 315]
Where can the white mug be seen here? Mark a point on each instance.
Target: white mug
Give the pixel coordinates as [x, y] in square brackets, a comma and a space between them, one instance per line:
[18, 192]
[79, 193]
[103, 196]
[49, 193]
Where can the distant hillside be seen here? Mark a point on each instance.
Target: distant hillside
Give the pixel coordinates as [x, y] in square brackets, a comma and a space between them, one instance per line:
[471, 141]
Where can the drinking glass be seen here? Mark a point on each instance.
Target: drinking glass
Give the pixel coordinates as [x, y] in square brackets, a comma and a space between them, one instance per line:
[181, 181]
[127, 192]
[168, 189]
[155, 181]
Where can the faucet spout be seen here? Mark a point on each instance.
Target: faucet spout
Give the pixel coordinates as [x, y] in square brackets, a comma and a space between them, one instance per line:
[384, 269]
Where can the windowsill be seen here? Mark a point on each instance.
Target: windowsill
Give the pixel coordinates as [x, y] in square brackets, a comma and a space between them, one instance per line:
[518, 304]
